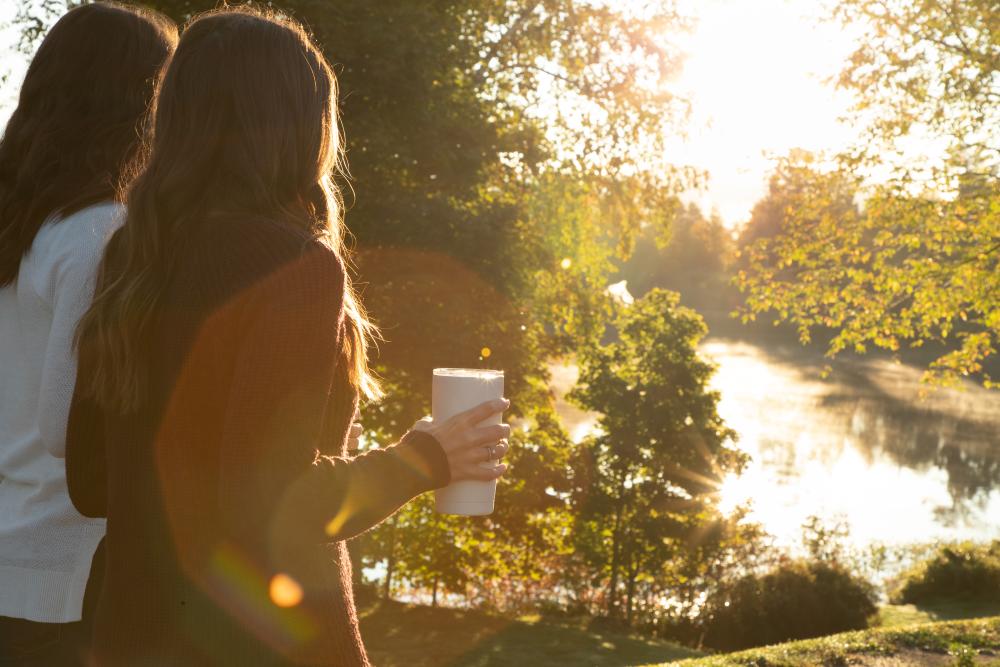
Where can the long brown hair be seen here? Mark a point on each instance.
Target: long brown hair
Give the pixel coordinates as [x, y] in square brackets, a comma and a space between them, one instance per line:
[245, 122]
[77, 122]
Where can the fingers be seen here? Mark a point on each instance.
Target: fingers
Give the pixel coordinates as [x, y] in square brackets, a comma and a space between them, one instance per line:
[487, 435]
[481, 454]
[476, 464]
[498, 451]
[485, 474]
[482, 411]
[479, 472]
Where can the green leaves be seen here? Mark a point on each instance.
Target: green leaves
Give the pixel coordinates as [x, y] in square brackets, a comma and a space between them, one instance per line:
[904, 269]
[912, 258]
[925, 67]
[645, 485]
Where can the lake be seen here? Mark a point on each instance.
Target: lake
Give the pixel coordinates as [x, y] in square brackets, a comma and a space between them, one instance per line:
[861, 446]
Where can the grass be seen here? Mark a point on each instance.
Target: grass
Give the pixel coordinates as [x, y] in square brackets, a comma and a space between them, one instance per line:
[967, 642]
[907, 614]
[403, 635]
[398, 635]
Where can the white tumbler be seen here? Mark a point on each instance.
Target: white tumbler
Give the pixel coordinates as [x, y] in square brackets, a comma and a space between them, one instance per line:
[456, 390]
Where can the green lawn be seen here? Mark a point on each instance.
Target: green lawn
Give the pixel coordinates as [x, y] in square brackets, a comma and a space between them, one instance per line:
[907, 614]
[399, 635]
[931, 644]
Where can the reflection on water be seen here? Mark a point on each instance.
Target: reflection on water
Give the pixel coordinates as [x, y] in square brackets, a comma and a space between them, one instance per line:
[578, 422]
[860, 446]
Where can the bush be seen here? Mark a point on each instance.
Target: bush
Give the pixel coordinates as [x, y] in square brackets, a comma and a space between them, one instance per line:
[547, 608]
[955, 571]
[796, 600]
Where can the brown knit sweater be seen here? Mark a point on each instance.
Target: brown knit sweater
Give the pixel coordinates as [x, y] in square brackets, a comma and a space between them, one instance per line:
[228, 494]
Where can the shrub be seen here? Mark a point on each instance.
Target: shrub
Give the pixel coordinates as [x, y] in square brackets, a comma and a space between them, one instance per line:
[795, 600]
[548, 608]
[955, 571]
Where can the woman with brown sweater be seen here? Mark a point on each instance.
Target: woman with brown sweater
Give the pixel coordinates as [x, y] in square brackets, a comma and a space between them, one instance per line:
[220, 368]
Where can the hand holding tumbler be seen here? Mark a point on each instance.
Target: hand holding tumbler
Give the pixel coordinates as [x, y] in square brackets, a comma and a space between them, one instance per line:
[456, 390]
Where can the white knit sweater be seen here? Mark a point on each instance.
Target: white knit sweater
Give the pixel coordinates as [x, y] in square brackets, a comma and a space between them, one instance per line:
[46, 547]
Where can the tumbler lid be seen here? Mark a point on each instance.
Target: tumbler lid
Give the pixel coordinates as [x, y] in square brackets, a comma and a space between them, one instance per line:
[468, 372]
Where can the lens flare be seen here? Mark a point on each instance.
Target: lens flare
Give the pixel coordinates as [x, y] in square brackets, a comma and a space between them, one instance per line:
[285, 591]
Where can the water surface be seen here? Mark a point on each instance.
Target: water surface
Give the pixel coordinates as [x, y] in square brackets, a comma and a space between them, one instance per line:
[861, 446]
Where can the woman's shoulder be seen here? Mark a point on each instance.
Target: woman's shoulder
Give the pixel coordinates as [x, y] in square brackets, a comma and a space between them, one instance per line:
[80, 231]
[71, 242]
[273, 241]
[252, 248]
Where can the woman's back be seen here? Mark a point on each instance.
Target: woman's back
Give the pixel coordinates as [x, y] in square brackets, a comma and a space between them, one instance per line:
[45, 546]
[189, 567]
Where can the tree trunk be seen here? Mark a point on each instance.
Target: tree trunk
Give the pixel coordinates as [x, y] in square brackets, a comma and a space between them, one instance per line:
[434, 592]
[526, 564]
[390, 562]
[629, 594]
[615, 550]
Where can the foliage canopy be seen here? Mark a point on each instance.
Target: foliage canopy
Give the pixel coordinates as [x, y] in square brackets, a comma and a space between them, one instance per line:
[913, 256]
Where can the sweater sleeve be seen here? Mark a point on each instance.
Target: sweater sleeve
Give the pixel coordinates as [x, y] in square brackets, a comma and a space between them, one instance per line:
[271, 471]
[71, 292]
[86, 463]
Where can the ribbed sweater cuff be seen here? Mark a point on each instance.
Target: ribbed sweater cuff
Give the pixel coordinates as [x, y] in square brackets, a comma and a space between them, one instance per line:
[424, 454]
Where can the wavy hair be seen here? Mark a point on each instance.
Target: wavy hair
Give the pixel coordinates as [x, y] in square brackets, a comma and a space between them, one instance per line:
[245, 123]
[78, 122]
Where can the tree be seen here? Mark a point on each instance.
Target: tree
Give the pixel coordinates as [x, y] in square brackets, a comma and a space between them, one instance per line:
[438, 554]
[902, 271]
[646, 484]
[919, 262]
[923, 67]
[797, 177]
[455, 111]
[694, 258]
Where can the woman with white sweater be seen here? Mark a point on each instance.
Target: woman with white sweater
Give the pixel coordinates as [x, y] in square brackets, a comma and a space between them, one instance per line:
[74, 135]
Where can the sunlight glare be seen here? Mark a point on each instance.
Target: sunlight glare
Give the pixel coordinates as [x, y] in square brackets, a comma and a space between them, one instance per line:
[755, 74]
[812, 456]
[285, 591]
[734, 492]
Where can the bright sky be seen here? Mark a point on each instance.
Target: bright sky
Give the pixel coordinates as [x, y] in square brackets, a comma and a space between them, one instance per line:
[755, 74]
[12, 63]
